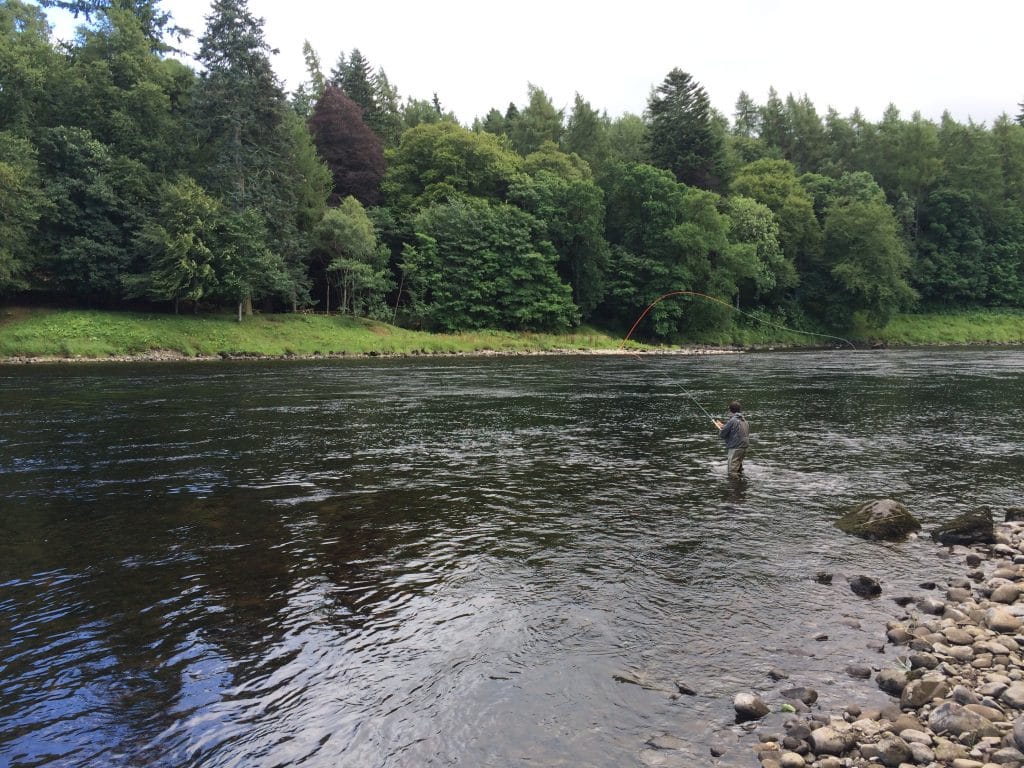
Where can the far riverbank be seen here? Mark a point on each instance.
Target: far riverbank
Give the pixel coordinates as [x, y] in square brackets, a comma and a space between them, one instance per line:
[45, 335]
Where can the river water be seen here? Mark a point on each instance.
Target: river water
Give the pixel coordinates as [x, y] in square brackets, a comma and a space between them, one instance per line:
[462, 561]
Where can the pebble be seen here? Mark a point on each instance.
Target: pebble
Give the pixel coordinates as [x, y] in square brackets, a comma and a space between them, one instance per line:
[959, 678]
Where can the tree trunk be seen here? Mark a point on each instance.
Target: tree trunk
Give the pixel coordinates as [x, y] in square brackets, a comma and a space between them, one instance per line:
[239, 311]
[176, 304]
[398, 298]
[247, 306]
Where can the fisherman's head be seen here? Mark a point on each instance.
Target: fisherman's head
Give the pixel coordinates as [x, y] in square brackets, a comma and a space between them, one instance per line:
[735, 407]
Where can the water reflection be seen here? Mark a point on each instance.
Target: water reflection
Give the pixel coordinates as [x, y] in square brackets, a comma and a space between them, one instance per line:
[450, 562]
[735, 489]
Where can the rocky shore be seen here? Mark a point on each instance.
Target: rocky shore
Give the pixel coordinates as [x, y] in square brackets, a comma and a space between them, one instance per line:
[956, 681]
[174, 356]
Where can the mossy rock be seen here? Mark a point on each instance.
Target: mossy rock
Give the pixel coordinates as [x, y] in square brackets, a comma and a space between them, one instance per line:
[969, 528]
[879, 519]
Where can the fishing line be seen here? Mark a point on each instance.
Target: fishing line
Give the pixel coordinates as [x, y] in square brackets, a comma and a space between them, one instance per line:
[729, 306]
[734, 309]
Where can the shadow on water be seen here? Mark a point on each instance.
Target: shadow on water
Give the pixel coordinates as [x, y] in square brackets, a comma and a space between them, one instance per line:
[450, 562]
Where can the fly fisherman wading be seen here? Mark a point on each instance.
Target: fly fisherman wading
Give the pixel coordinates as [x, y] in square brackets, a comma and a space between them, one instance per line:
[736, 434]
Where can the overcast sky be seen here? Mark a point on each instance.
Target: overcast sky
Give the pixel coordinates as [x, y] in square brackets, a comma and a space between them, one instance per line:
[921, 56]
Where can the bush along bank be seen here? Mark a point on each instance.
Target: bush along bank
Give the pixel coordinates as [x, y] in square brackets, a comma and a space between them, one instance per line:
[957, 685]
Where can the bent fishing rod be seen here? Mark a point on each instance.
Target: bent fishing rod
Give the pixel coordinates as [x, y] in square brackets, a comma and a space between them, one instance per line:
[729, 306]
[697, 294]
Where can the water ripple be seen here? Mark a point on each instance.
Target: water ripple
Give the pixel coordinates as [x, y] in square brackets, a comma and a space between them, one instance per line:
[433, 563]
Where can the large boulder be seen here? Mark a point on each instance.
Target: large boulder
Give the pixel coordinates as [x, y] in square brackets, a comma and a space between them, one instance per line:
[879, 519]
[954, 720]
[968, 528]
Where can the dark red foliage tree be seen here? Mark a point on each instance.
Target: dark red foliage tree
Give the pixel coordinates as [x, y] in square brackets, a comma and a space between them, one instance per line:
[352, 151]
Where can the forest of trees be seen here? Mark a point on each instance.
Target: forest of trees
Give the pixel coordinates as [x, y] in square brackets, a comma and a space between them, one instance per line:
[129, 179]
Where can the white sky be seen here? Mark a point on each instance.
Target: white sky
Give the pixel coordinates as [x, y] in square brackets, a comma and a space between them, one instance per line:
[919, 55]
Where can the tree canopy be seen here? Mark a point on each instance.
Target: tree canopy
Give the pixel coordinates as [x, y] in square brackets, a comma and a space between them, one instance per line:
[130, 177]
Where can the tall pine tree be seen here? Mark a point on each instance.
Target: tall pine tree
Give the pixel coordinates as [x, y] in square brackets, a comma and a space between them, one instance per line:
[682, 136]
[247, 154]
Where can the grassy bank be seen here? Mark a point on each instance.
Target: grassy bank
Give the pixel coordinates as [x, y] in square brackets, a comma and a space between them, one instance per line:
[90, 334]
[976, 327]
[81, 334]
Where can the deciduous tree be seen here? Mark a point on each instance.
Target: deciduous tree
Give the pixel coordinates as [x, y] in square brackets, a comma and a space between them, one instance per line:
[352, 151]
[868, 262]
[559, 191]
[436, 161]
[478, 265]
[354, 264]
[22, 202]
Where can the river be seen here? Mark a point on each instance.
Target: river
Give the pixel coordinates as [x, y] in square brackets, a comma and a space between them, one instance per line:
[460, 561]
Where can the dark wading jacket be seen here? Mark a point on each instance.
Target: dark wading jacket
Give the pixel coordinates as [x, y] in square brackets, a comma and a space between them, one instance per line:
[735, 432]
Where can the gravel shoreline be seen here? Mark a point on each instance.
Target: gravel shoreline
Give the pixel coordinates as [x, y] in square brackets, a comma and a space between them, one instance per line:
[956, 685]
[167, 355]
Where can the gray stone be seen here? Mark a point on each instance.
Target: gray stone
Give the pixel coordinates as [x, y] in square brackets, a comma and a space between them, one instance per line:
[994, 689]
[931, 605]
[958, 636]
[963, 695]
[859, 671]
[829, 740]
[1007, 756]
[904, 721]
[1000, 619]
[1018, 732]
[958, 594]
[947, 751]
[917, 693]
[953, 719]
[913, 736]
[890, 750]
[668, 742]
[922, 754]
[1005, 572]
[892, 681]
[898, 636]
[1005, 593]
[991, 714]
[880, 519]
[791, 760]
[922, 660]
[749, 706]
[1013, 696]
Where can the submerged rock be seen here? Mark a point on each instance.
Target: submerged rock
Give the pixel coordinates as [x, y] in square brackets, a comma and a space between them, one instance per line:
[807, 695]
[968, 528]
[1014, 514]
[880, 519]
[865, 586]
